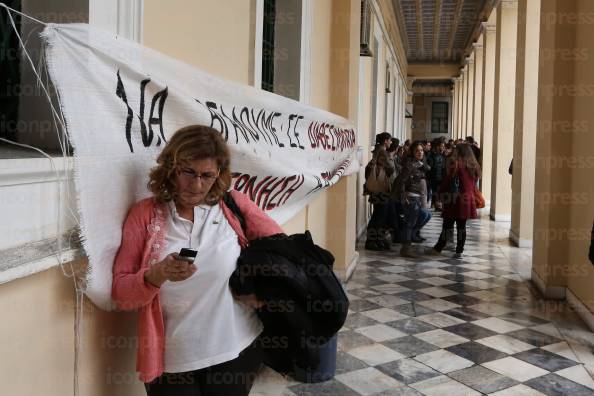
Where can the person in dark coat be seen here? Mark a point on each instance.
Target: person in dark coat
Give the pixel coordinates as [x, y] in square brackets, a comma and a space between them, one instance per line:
[394, 210]
[379, 222]
[410, 189]
[437, 163]
[456, 196]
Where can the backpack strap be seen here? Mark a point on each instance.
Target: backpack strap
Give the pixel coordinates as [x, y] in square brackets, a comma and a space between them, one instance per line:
[232, 205]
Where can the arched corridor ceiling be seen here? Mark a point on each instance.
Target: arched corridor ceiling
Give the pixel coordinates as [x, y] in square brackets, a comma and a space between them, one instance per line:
[440, 31]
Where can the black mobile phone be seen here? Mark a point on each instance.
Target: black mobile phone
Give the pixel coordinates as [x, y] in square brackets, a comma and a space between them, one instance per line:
[188, 254]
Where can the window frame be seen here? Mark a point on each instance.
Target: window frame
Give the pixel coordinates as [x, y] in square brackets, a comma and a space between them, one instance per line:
[441, 119]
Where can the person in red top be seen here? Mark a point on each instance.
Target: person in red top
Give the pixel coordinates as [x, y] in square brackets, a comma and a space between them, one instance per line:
[456, 196]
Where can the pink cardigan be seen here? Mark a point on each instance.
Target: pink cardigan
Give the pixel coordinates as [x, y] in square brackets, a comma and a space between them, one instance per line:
[143, 239]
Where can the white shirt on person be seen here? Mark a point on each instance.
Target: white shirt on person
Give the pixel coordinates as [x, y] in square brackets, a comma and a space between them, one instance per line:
[204, 324]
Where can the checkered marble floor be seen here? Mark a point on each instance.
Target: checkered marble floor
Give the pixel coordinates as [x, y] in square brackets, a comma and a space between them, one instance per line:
[441, 326]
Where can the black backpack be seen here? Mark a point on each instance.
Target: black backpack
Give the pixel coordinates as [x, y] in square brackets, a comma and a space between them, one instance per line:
[312, 280]
[291, 268]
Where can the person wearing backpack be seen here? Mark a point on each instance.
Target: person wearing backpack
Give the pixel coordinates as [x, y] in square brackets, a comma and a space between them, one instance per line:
[456, 196]
[377, 185]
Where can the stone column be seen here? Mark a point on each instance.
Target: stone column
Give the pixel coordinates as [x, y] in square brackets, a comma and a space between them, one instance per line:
[341, 200]
[458, 106]
[454, 106]
[504, 114]
[478, 90]
[470, 96]
[526, 122]
[488, 104]
[405, 121]
[397, 107]
[564, 191]
[464, 113]
[461, 104]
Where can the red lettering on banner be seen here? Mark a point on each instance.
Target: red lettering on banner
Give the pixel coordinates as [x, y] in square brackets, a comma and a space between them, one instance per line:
[270, 192]
[329, 137]
[293, 188]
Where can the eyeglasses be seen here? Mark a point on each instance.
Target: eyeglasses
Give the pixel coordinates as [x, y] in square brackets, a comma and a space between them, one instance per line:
[191, 175]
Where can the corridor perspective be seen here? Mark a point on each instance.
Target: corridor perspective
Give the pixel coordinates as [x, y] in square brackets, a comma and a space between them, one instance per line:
[441, 150]
[439, 326]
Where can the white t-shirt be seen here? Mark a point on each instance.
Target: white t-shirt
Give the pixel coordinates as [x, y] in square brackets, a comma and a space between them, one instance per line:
[204, 324]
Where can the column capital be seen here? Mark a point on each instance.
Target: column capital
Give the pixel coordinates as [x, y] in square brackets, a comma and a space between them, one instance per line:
[477, 46]
[509, 3]
[488, 28]
[469, 60]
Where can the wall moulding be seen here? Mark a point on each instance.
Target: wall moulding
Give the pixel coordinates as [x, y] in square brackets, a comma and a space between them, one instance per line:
[521, 243]
[345, 274]
[580, 308]
[509, 3]
[550, 292]
[501, 217]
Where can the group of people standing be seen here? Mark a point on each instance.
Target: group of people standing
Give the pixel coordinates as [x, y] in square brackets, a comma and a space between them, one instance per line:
[404, 181]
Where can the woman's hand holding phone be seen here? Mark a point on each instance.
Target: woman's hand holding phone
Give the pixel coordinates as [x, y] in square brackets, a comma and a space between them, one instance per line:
[171, 268]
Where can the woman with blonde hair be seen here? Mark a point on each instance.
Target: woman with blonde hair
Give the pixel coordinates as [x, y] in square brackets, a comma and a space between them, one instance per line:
[195, 337]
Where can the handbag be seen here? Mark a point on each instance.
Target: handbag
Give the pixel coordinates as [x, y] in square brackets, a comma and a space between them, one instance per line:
[377, 181]
[479, 200]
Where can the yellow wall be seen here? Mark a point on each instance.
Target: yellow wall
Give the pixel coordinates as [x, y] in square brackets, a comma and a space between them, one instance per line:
[321, 55]
[213, 35]
[38, 347]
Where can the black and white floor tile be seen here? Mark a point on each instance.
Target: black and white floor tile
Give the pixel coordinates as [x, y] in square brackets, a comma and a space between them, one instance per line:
[434, 325]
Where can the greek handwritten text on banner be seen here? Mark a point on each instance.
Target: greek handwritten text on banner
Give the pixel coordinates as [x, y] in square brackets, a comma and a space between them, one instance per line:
[121, 103]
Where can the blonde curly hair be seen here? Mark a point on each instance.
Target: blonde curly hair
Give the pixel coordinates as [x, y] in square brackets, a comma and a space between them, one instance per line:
[187, 144]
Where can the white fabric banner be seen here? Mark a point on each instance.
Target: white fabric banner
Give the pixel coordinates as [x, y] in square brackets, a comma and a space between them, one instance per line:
[122, 101]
